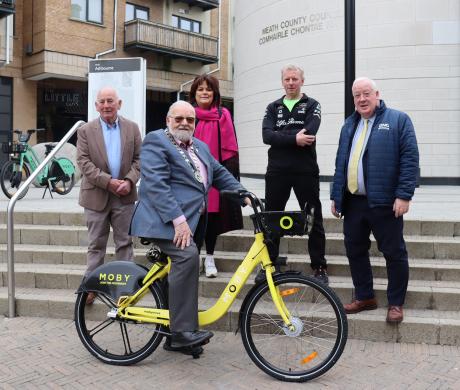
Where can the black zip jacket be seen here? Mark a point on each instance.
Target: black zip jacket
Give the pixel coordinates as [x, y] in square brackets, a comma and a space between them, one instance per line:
[279, 129]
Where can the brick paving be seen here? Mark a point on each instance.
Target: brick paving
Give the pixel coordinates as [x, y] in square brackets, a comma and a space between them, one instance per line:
[43, 353]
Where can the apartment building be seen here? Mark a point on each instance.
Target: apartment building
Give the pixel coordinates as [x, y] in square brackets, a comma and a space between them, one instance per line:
[46, 44]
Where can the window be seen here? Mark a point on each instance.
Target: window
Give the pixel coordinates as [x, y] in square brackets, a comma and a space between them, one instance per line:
[186, 24]
[136, 12]
[87, 10]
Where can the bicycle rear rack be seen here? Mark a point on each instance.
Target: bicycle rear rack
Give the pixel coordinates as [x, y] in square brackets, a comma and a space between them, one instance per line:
[10, 222]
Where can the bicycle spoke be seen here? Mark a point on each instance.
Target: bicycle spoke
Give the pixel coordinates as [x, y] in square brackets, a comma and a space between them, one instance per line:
[100, 327]
[124, 335]
[313, 342]
[127, 342]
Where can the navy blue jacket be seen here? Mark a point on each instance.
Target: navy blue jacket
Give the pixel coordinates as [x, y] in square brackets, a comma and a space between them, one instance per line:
[390, 160]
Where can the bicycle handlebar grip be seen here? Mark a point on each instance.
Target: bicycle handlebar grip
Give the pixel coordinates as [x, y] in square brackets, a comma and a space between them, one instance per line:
[236, 194]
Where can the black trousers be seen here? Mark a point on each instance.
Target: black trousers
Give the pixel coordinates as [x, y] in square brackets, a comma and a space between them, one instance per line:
[306, 189]
[359, 221]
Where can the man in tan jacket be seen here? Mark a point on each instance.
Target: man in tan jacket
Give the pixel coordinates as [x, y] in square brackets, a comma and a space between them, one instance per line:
[108, 156]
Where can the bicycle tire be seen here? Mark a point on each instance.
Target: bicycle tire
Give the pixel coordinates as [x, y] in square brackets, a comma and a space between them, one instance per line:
[320, 334]
[114, 341]
[9, 179]
[62, 184]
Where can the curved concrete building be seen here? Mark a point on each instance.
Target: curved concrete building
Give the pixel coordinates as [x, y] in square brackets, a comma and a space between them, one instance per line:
[411, 48]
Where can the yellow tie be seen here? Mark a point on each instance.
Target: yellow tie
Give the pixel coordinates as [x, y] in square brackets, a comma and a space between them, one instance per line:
[354, 161]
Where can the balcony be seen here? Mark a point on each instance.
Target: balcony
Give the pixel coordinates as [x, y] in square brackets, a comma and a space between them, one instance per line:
[206, 5]
[172, 41]
[7, 8]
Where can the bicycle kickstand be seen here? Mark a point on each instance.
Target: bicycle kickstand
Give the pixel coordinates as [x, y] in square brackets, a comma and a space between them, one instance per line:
[48, 187]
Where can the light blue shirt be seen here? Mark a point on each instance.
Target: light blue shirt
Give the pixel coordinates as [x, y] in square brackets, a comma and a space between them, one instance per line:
[359, 130]
[112, 140]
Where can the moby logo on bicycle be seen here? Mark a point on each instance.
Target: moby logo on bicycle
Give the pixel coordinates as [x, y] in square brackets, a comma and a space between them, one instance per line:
[113, 278]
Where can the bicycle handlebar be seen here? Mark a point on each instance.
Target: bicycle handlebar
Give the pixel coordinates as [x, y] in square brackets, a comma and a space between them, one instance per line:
[239, 195]
[24, 136]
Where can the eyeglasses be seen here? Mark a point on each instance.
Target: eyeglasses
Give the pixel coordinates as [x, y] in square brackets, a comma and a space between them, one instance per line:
[179, 119]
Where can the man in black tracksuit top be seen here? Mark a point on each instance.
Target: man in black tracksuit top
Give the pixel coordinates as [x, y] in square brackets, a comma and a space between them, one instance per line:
[289, 126]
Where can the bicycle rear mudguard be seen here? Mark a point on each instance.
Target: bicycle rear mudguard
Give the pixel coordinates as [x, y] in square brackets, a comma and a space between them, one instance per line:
[66, 165]
[115, 279]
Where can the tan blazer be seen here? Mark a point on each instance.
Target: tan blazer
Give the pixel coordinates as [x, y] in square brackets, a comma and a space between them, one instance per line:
[93, 162]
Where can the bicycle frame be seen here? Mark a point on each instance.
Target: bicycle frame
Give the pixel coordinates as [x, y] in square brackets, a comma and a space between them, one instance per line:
[28, 156]
[257, 254]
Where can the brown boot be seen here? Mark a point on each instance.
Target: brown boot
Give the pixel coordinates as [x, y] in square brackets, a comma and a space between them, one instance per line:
[357, 306]
[395, 314]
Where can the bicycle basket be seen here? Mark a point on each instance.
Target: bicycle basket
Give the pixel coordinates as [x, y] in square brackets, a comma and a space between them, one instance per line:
[13, 148]
[7, 147]
[285, 223]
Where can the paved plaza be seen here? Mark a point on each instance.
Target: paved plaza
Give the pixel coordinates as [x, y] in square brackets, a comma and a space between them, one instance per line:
[42, 353]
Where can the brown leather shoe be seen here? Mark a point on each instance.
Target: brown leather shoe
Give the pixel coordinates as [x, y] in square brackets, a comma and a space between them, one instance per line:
[90, 298]
[357, 306]
[395, 314]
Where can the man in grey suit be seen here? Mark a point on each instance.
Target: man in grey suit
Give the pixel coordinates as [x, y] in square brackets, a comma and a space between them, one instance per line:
[177, 171]
[108, 157]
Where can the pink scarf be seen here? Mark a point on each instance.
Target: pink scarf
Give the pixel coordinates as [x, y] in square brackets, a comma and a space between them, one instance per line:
[207, 131]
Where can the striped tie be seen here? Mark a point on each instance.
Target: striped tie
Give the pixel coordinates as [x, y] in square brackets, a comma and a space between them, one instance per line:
[354, 161]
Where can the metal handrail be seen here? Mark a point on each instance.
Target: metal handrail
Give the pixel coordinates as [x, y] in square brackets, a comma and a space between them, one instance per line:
[10, 209]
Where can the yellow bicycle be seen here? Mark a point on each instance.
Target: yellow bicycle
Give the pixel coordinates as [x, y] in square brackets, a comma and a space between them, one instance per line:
[293, 327]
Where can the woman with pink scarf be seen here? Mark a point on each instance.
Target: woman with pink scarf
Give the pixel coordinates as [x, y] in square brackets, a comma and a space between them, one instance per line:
[214, 126]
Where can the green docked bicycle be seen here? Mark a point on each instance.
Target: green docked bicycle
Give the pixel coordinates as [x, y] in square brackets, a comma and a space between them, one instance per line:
[58, 176]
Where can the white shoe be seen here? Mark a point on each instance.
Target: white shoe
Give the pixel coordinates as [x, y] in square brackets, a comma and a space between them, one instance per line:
[210, 267]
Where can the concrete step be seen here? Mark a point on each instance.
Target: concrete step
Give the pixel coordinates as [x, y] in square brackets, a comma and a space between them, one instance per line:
[420, 269]
[411, 227]
[441, 247]
[60, 254]
[429, 247]
[419, 326]
[331, 225]
[46, 218]
[421, 294]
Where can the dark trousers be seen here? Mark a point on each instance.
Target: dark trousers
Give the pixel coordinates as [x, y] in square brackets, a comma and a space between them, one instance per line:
[359, 221]
[210, 238]
[306, 189]
[183, 280]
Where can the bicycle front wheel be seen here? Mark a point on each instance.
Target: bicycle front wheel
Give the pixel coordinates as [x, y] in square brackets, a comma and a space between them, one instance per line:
[61, 183]
[309, 348]
[114, 341]
[12, 177]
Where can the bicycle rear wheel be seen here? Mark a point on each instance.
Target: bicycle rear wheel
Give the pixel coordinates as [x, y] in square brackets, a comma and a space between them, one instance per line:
[62, 183]
[114, 341]
[11, 178]
[317, 340]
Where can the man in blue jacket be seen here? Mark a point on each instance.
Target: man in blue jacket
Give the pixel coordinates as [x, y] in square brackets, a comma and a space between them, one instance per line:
[375, 176]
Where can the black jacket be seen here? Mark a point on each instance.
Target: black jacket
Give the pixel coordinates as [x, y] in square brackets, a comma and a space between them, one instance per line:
[279, 129]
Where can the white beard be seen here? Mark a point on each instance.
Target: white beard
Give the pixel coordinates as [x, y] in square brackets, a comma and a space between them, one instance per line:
[182, 135]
